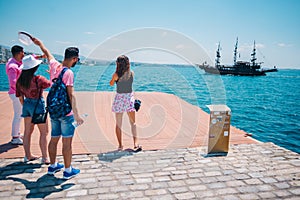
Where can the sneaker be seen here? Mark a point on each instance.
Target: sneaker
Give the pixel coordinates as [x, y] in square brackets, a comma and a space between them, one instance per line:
[73, 173]
[53, 170]
[17, 141]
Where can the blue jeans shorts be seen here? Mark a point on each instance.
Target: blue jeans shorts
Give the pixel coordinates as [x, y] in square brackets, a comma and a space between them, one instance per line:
[63, 127]
[29, 105]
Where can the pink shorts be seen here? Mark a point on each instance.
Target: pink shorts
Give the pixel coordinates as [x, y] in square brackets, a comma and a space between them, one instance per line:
[123, 102]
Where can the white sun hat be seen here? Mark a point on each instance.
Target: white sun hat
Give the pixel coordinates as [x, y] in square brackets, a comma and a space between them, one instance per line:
[29, 62]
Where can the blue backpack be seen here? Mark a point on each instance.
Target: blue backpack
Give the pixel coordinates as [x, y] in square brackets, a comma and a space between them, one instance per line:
[58, 102]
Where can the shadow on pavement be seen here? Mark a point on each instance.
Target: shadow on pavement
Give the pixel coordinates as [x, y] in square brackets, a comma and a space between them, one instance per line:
[217, 154]
[7, 146]
[18, 168]
[42, 187]
[114, 155]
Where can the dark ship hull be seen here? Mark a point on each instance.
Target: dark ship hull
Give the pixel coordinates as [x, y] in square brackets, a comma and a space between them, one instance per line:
[236, 70]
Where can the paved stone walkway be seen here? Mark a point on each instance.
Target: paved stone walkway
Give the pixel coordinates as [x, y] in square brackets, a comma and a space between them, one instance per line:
[249, 171]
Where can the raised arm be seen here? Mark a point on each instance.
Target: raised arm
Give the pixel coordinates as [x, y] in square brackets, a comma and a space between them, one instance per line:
[39, 43]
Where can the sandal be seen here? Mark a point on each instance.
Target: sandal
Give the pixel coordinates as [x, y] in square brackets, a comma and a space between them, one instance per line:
[120, 148]
[45, 161]
[137, 148]
[31, 159]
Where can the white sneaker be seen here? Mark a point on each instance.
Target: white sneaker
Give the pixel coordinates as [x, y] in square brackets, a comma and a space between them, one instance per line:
[17, 141]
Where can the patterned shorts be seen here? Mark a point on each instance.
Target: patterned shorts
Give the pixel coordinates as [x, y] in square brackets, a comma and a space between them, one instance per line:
[123, 102]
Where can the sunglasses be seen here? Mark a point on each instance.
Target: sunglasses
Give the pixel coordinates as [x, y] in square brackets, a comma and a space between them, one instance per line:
[78, 59]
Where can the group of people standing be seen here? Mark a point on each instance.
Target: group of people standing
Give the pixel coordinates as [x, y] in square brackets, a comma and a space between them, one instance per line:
[26, 94]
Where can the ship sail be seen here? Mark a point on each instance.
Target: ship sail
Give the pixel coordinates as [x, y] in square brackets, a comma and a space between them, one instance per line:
[235, 51]
[218, 56]
[253, 58]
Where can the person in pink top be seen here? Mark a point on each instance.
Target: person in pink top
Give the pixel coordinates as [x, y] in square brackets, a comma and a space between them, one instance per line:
[13, 71]
[29, 89]
[63, 127]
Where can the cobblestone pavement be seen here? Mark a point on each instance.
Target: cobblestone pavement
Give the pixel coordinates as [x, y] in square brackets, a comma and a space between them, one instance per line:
[255, 171]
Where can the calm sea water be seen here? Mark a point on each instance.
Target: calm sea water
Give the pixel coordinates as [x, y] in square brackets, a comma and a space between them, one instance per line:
[267, 106]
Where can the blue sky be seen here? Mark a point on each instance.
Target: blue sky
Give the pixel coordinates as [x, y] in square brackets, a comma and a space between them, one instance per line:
[273, 24]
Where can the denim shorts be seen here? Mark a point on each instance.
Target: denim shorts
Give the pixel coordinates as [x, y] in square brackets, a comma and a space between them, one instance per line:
[63, 127]
[29, 105]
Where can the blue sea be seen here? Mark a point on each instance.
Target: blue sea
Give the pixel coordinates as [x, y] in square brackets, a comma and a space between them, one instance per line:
[266, 106]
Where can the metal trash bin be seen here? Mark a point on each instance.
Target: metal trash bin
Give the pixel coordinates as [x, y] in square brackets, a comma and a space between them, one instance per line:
[219, 129]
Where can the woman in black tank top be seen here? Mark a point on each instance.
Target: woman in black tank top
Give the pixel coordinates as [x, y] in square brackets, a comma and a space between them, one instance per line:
[124, 99]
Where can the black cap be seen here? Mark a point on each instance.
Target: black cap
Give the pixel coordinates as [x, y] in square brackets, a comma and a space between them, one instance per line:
[71, 52]
[16, 49]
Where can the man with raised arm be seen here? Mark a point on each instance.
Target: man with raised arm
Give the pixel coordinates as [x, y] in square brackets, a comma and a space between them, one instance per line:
[62, 127]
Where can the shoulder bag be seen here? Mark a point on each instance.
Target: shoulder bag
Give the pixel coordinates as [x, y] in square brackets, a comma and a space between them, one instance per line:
[39, 118]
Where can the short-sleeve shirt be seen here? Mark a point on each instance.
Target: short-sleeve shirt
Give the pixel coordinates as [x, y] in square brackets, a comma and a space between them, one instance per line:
[37, 85]
[13, 72]
[55, 69]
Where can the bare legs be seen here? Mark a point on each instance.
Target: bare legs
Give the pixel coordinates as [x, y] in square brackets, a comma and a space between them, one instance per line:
[43, 128]
[27, 137]
[66, 150]
[118, 129]
[52, 148]
[131, 116]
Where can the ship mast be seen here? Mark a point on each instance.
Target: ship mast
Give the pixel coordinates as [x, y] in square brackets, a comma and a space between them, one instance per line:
[218, 56]
[253, 59]
[235, 51]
